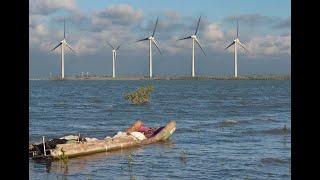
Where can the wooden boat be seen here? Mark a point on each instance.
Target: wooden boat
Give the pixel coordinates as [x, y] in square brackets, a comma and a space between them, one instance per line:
[110, 144]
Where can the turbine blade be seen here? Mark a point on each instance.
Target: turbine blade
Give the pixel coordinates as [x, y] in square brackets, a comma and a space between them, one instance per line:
[197, 25]
[237, 28]
[200, 46]
[184, 38]
[242, 45]
[154, 42]
[142, 39]
[118, 47]
[70, 48]
[64, 28]
[155, 27]
[56, 47]
[110, 45]
[229, 45]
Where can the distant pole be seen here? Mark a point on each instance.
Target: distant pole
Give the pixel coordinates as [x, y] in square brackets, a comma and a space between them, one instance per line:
[44, 146]
[87, 74]
[82, 74]
[50, 76]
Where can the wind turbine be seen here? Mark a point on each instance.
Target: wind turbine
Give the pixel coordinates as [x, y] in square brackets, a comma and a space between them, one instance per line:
[235, 42]
[62, 44]
[114, 56]
[151, 40]
[194, 39]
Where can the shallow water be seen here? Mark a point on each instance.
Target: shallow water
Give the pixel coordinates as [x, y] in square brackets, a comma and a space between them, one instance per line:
[225, 129]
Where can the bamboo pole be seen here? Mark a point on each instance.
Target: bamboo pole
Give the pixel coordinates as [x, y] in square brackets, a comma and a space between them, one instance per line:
[44, 146]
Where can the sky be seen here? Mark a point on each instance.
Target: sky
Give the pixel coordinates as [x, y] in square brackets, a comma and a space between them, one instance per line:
[264, 28]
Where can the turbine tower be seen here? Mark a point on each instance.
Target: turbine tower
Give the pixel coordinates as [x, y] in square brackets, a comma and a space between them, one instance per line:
[62, 44]
[114, 56]
[194, 39]
[235, 42]
[151, 40]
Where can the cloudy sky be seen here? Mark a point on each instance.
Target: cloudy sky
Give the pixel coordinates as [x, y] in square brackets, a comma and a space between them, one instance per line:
[264, 27]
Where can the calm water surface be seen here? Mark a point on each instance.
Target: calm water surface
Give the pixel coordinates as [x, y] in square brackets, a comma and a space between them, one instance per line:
[225, 129]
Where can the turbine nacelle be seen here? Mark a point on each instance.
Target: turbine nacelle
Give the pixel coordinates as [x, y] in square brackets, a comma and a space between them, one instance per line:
[64, 41]
[113, 50]
[194, 37]
[151, 38]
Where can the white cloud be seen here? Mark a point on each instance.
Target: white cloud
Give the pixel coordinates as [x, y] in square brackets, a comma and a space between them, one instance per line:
[41, 30]
[38, 33]
[122, 14]
[172, 14]
[213, 32]
[270, 45]
[46, 7]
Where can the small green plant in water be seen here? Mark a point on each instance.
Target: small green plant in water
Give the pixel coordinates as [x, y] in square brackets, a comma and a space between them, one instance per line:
[130, 164]
[222, 163]
[130, 161]
[63, 157]
[140, 96]
[89, 177]
[285, 129]
[183, 156]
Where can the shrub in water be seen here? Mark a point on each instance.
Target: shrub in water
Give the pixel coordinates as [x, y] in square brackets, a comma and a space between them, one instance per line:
[140, 96]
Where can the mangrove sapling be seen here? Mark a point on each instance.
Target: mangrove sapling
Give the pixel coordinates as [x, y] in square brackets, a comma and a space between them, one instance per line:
[183, 157]
[140, 96]
[63, 157]
[130, 161]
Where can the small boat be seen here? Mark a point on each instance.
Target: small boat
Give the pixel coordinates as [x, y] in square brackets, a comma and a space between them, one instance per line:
[135, 135]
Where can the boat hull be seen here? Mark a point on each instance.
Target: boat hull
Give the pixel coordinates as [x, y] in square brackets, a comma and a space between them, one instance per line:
[107, 145]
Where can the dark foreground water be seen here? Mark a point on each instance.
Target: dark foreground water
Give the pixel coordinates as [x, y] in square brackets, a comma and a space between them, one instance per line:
[225, 129]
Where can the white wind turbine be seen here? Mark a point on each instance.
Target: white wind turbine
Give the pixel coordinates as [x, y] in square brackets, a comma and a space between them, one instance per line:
[114, 57]
[235, 42]
[62, 44]
[151, 40]
[194, 39]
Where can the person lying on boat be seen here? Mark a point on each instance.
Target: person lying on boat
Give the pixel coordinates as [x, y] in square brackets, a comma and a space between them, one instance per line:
[147, 131]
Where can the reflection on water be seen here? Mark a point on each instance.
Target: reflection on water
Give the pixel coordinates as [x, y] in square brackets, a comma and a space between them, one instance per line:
[80, 164]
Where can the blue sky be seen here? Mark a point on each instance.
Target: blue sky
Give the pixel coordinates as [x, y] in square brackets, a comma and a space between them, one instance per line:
[265, 28]
[214, 9]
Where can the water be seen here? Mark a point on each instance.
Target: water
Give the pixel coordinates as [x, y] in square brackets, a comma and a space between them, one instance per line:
[225, 129]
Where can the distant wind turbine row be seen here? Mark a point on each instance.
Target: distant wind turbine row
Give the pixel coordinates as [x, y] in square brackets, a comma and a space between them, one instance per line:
[152, 40]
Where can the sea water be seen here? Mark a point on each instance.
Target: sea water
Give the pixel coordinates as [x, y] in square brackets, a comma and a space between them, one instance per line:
[225, 129]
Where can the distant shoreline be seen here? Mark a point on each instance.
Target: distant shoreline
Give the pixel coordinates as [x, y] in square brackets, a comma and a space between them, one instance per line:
[252, 77]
